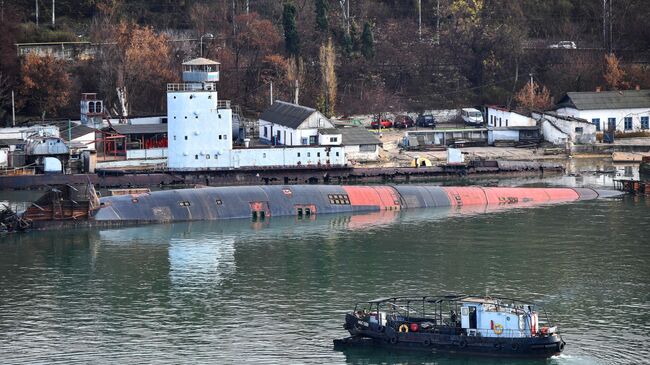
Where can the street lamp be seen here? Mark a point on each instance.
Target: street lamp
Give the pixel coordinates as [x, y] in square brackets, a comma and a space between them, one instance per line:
[206, 35]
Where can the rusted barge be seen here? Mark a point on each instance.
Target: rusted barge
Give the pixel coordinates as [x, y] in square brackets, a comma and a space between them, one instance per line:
[68, 206]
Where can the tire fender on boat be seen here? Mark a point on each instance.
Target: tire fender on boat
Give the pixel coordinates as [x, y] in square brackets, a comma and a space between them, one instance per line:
[561, 345]
[393, 340]
[381, 328]
[403, 328]
[515, 346]
[462, 344]
[498, 329]
[497, 346]
[427, 342]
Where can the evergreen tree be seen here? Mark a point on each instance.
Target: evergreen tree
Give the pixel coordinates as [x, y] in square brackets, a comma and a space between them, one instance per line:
[291, 39]
[346, 44]
[322, 23]
[367, 42]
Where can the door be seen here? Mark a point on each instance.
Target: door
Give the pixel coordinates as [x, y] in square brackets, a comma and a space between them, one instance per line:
[472, 317]
[611, 124]
[260, 211]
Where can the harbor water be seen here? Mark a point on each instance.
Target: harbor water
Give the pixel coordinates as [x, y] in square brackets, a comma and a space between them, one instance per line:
[275, 292]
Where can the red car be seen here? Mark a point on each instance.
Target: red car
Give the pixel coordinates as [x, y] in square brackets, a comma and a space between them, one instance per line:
[385, 123]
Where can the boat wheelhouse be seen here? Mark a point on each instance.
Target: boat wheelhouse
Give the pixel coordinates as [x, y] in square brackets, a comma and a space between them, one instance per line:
[454, 323]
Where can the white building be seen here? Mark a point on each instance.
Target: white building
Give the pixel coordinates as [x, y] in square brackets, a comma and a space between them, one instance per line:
[509, 126]
[625, 111]
[359, 143]
[560, 129]
[292, 125]
[200, 130]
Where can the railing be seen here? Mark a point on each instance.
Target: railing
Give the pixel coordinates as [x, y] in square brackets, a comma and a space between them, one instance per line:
[191, 86]
[223, 104]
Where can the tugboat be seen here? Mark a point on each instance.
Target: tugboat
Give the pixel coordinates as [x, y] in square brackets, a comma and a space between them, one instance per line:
[465, 324]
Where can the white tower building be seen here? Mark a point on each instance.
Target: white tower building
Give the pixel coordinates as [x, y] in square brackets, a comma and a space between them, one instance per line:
[199, 124]
[199, 130]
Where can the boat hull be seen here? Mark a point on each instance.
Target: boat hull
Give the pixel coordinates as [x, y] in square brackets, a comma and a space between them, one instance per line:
[448, 339]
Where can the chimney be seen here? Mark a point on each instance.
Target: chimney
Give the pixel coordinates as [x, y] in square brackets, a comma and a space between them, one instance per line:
[637, 87]
[597, 89]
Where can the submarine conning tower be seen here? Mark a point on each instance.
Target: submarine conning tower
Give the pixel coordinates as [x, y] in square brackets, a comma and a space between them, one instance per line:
[214, 203]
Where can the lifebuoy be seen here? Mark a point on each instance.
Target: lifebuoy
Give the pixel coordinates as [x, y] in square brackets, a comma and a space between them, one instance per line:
[498, 329]
[403, 328]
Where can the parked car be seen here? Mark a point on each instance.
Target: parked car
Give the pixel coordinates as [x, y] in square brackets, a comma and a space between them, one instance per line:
[564, 45]
[385, 123]
[426, 120]
[404, 121]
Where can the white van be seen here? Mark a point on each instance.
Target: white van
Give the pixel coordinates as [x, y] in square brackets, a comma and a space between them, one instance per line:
[472, 116]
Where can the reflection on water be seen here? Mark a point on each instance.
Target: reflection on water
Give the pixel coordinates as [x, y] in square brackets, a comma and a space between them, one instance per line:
[276, 291]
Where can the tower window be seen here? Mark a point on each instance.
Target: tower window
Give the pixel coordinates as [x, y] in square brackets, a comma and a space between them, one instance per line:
[196, 157]
[220, 136]
[186, 138]
[174, 137]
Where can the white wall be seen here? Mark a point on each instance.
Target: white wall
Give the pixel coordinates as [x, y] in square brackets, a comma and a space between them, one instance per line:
[326, 139]
[502, 135]
[144, 154]
[561, 130]
[605, 114]
[352, 152]
[24, 132]
[502, 118]
[197, 131]
[88, 140]
[4, 162]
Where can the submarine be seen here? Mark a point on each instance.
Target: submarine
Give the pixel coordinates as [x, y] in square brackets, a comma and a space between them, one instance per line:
[68, 206]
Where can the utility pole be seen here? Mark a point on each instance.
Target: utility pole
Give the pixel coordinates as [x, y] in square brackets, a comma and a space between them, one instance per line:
[420, 18]
[604, 24]
[611, 37]
[13, 109]
[271, 92]
[248, 3]
[438, 22]
[36, 13]
[297, 88]
[53, 19]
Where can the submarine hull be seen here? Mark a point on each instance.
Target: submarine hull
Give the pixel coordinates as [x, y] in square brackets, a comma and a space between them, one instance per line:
[262, 202]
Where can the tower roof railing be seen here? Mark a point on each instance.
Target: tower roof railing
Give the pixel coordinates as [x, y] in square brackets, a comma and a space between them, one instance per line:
[191, 86]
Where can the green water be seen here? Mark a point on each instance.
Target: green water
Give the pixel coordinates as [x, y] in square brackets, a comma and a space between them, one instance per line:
[277, 292]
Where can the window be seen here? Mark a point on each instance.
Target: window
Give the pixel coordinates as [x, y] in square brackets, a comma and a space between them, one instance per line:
[304, 141]
[196, 157]
[611, 123]
[499, 122]
[596, 122]
[219, 202]
[317, 154]
[308, 154]
[337, 154]
[207, 157]
[339, 199]
[184, 203]
[266, 132]
[220, 136]
[298, 154]
[174, 137]
[334, 139]
[367, 148]
[186, 138]
[628, 123]
[263, 155]
[644, 123]
[578, 130]
[225, 136]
